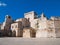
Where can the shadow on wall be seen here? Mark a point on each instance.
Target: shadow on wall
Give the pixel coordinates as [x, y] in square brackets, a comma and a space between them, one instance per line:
[5, 33]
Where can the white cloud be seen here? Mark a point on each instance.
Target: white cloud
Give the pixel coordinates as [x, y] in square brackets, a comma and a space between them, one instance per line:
[3, 4]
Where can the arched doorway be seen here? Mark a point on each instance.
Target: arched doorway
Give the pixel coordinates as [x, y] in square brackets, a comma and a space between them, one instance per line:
[14, 33]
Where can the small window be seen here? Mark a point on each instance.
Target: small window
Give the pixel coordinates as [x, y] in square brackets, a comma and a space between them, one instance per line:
[16, 26]
[12, 26]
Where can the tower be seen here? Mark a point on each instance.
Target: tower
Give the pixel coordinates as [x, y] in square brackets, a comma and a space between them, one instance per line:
[30, 15]
[7, 23]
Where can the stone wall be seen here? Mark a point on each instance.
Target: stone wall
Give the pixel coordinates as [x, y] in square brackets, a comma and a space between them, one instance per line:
[17, 29]
[29, 33]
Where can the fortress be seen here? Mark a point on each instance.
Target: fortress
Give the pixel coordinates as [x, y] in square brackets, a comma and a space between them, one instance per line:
[32, 26]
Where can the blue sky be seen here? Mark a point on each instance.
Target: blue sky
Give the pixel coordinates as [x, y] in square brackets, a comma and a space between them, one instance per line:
[17, 8]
